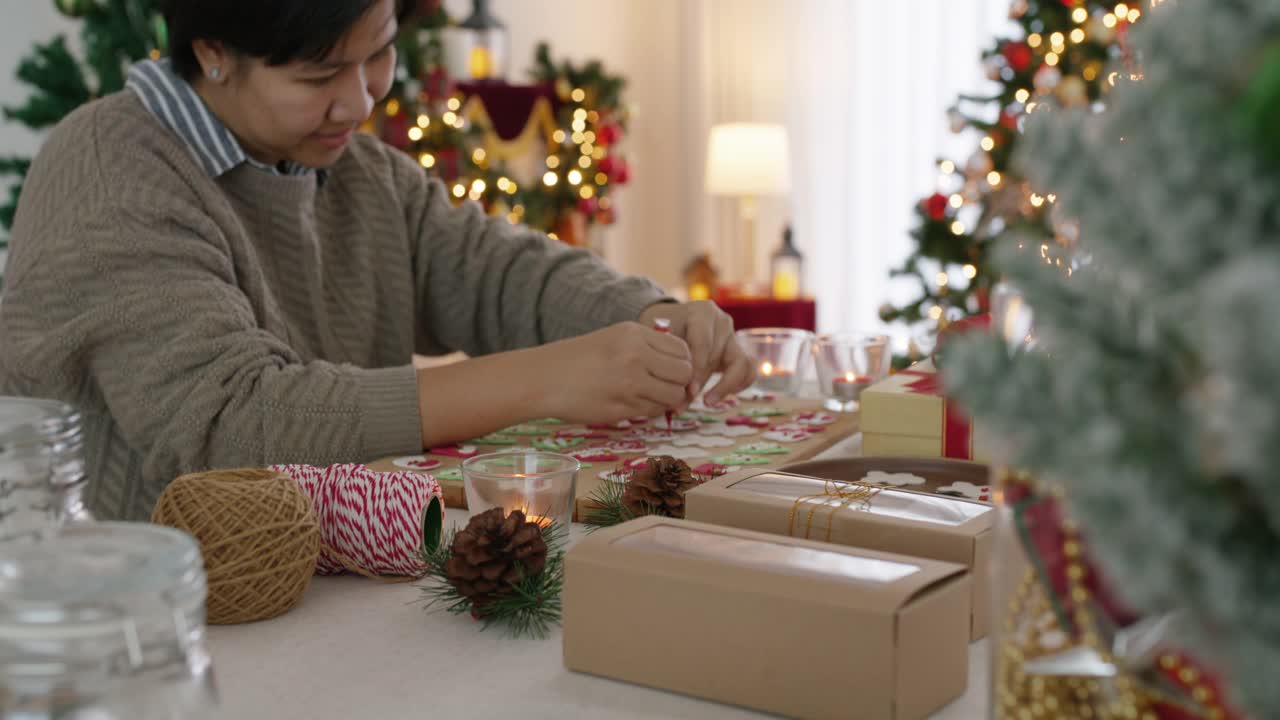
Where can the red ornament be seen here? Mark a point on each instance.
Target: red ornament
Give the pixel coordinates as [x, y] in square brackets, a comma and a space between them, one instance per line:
[622, 175]
[935, 206]
[587, 206]
[608, 165]
[608, 134]
[1009, 121]
[1018, 54]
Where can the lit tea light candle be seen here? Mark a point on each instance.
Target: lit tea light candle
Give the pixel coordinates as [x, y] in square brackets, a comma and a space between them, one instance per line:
[773, 379]
[849, 387]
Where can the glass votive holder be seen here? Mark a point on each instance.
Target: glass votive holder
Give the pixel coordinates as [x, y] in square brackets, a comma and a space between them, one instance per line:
[847, 364]
[540, 484]
[779, 355]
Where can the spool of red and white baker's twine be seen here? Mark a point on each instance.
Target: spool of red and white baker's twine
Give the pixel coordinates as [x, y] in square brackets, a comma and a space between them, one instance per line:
[371, 519]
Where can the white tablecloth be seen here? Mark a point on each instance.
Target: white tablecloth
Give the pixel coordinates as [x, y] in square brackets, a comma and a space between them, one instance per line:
[358, 649]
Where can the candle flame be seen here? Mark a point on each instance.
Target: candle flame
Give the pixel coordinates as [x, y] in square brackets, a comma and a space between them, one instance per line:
[766, 368]
[848, 377]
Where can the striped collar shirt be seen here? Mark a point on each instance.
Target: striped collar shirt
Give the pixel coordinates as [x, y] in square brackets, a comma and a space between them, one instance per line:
[177, 105]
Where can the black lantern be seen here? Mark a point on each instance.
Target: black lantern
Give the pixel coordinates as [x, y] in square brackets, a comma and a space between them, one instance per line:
[478, 47]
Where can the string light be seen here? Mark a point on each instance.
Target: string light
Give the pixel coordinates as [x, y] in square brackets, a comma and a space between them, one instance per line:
[947, 166]
[550, 179]
[553, 161]
[575, 177]
[1111, 79]
[601, 178]
[1034, 40]
[993, 178]
[393, 107]
[423, 121]
[587, 148]
[1032, 106]
[558, 136]
[1077, 35]
[449, 118]
[454, 104]
[957, 200]
[988, 144]
[415, 134]
[503, 183]
[935, 312]
[1022, 95]
[579, 95]
[593, 117]
[942, 279]
[1052, 198]
[584, 162]
[459, 190]
[1080, 15]
[580, 114]
[511, 190]
[1036, 200]
[427, 160]
[578, 137]
[589, 137]
[1134, 14]
[1090, 73]
[957, 228]
[587, 192]
[1109, 20]
[1122, 10]
[479, 156]
[478, 186]
[1051, 59]
[1057, 39]
[598, 153]
[970, 272]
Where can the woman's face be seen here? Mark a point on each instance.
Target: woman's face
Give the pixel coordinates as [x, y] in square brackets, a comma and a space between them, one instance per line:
[306, 111]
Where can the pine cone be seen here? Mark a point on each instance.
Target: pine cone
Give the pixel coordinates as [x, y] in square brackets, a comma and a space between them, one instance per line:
[493, 552]
[659, 488]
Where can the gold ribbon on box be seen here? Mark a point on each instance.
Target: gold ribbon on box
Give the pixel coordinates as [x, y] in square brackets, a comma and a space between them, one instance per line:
[854, 496]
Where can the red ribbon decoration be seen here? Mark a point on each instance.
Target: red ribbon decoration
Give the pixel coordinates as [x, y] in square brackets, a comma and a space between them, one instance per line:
[957, 431]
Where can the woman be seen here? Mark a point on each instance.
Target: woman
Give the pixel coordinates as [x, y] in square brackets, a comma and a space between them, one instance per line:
[220, 272]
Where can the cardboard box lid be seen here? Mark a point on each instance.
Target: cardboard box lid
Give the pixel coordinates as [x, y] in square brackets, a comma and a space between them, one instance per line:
[929, 511]
[893, 407]
[761, 562]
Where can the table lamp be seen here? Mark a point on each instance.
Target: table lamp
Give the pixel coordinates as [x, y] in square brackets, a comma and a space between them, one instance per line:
[746, 161]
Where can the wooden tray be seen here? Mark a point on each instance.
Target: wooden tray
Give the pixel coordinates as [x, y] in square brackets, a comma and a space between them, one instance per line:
[845, 425]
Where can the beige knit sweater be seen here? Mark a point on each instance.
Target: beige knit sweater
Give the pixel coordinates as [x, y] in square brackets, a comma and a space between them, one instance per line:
[257, 318]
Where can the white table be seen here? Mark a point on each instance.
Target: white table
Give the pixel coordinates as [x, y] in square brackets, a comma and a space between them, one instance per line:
[355, 648]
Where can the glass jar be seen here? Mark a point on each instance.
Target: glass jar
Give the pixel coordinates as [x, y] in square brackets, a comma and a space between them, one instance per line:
[41, 467]
[847, 364]
[539, 484]
[779, 355]
[104, 621]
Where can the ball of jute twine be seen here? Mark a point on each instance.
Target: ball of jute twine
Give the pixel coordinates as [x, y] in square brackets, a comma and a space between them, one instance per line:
[257, 533]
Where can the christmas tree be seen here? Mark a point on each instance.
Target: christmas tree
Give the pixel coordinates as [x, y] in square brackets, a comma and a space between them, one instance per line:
[1066, 56]
[1149, 395]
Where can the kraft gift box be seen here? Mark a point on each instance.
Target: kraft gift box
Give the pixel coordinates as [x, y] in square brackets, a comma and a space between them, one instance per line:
[778, 624]
[925, 525]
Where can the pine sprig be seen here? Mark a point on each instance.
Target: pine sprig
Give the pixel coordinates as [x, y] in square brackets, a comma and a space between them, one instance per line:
[607, 507]
[529, 609]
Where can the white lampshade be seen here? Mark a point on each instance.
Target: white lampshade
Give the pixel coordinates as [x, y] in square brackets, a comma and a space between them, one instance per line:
[748, 159]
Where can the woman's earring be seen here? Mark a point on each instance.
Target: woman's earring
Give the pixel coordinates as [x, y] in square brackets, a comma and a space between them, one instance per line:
[215, 72]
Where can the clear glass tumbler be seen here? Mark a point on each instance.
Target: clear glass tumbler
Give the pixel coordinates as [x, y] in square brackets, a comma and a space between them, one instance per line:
[847, 364]
[540, 484]
[779, 355]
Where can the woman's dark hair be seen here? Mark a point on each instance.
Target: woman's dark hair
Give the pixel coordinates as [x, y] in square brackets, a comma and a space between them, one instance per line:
[275, 31]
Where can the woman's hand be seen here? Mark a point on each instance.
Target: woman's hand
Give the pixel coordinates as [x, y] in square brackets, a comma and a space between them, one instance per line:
[708, 331]
[623, 371]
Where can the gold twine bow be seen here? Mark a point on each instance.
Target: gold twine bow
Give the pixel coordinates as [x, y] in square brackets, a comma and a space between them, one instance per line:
[846, 493]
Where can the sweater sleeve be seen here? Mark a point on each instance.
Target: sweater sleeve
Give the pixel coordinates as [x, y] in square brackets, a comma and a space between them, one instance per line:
[141, 307]
[485, 285]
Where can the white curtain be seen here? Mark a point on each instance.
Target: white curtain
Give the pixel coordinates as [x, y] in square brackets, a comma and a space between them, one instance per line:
[863, 86]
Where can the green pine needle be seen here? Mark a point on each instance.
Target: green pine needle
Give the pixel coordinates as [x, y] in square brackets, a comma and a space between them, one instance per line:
[607, 507]
[530, 609]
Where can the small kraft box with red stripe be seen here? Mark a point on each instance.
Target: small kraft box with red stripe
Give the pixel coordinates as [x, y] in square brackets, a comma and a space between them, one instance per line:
[906, 415]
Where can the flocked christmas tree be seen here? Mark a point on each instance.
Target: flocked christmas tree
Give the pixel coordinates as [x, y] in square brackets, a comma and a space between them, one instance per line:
[1070, 54]
[1149, 392]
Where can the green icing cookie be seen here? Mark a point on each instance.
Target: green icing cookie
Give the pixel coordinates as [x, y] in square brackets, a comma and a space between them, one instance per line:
[557, 444]
[494, 439]
[453, 473]
[740, 459]
[763, 412]
[763, 449]
[548, 421]
[529, 430]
